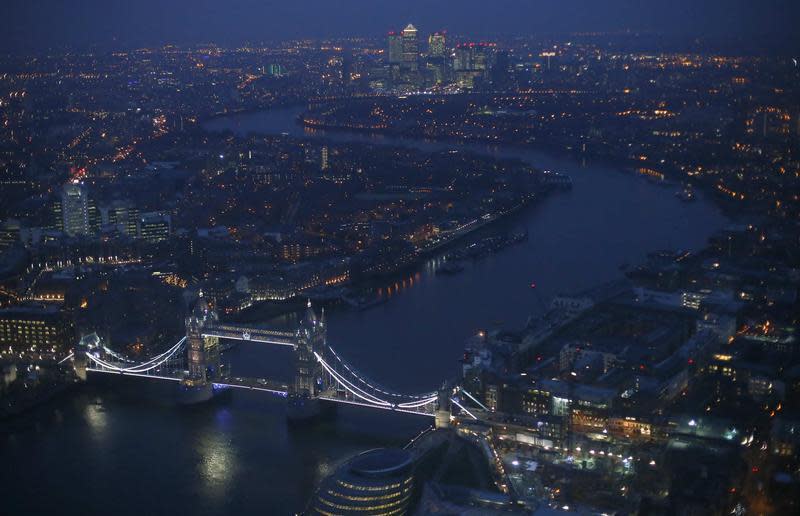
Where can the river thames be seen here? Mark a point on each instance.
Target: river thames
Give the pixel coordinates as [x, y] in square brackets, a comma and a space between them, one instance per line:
[121, 449]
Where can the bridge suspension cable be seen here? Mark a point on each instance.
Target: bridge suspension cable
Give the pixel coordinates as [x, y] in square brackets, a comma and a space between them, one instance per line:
[116, 355]
[374, 387]
[421, 403]
[143, 367]
[473, 398]
[355, 391]
[369, 398]
[462, 407]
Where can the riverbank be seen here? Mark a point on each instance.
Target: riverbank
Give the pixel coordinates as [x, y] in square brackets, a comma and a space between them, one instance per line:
[23, 396]
[671, 179]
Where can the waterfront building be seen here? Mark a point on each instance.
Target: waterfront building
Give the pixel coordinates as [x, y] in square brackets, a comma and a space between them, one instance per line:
[75, 209]
[374, 482]
[35, 333]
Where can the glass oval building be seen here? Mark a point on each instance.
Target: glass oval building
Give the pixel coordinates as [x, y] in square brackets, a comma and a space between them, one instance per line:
[376, 482]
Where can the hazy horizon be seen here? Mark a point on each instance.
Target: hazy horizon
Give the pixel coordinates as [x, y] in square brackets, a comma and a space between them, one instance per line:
[119, 24]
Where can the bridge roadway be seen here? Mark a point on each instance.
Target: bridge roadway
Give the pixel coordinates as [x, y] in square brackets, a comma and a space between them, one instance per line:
[323, 374]
[337, 394]
[254, 384]
[227, 331]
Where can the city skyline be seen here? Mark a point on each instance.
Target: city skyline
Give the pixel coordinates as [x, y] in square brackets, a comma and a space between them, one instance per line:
[119, 25]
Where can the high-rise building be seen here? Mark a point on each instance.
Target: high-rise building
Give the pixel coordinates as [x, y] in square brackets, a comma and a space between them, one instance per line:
[154, 226]
[501, 75]
[323, 162]
[436, 63]
[437, 44]
[395, 44]
[95, 220]
[57, 222]
[75, 209]
[473, 61]
[122, 215]
[410, 47]
[462, 58]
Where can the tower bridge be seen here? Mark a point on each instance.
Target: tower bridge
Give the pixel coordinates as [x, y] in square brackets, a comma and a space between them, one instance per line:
[320, 375]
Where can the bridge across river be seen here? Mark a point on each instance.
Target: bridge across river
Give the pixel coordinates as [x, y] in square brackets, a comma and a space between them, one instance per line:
[321, 375]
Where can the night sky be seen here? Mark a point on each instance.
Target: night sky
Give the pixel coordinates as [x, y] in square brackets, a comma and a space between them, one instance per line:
[33, 26]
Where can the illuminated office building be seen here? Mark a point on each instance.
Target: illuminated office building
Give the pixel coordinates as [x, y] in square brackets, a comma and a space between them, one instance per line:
[410, 47]
[473, 61]
[75, 209]
[154, 227]
[436, 44]
[374, 482]
[395, 44]
[122, 215]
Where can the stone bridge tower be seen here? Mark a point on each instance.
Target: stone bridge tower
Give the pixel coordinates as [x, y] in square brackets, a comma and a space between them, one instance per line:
[309, 380]
[202, 353]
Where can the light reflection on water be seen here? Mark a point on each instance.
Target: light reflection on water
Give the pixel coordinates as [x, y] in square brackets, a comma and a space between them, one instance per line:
[96, 415]
[217, 460]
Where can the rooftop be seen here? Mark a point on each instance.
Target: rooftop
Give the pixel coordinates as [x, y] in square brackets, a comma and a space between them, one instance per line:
[380, 462]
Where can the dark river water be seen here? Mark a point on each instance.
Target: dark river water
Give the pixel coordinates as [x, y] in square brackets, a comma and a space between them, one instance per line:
[121, 449]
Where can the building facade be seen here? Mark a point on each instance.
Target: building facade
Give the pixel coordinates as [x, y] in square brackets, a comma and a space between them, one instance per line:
[374, 482]
[35, 333]
[75, 209]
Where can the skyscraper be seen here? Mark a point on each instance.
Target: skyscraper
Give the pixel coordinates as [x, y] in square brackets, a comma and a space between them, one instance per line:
[395, 44]
[473, 61]
[437, 44]
[410, 47]
[501, 74]
[75, 209]
[121, 214]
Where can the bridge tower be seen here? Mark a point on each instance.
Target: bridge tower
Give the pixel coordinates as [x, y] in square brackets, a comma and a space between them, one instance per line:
[443, 409]
[309, 379]
[202, 352]
[79, 360]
